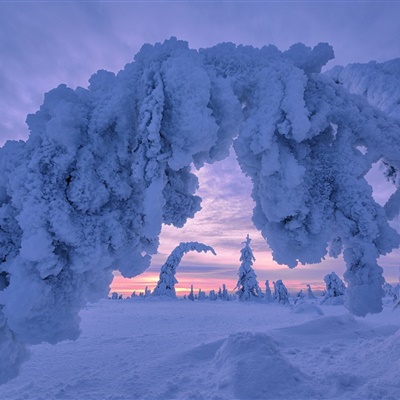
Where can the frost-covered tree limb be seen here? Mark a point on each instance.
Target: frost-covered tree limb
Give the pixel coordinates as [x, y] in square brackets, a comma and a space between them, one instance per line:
[379, 83]
[167, 281]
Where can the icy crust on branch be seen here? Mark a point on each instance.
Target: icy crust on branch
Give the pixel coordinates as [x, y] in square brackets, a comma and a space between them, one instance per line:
[104, 167]
[167, 281]
[378, 82]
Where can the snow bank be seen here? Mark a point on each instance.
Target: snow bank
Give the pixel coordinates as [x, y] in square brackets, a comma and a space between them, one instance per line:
[251, 366]
[307, 308]
[105, 167]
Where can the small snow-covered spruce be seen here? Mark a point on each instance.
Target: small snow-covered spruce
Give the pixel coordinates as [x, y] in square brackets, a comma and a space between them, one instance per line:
[247, 285]
[335, 290]
[281, 294]
[334, 285]
[225, 293]
[167, 281]
[114, 296]
[300, 296]
[310, 294]
[201, 295]
[191, 294]
[212, 295]
[268, 293]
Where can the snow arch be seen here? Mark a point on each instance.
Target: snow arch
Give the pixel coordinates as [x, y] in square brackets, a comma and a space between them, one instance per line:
[166, 283]
[105, 167]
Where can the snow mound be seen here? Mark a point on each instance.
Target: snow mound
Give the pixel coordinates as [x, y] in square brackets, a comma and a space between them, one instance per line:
[333, 301]
[252, 366]
[391, 346]
[307, 308]
[331, 329]
[339, 324]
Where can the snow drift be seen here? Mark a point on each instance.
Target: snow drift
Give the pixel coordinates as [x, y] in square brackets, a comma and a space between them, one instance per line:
[105, 167]
[251, 365]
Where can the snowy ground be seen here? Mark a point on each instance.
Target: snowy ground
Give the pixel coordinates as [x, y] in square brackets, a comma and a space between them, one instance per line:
[150, 349]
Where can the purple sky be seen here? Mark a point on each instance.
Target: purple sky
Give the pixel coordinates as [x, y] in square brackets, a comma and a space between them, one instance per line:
[43, 44]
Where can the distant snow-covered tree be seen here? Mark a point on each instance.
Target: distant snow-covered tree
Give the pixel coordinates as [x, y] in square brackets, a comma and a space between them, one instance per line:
[247, 284]
[310, 294]
[201, 295]
[281, 294]
[268, 293]
[335, 290]
[191, 294]
[299, 297]
[334, 285]
[225, 294]
[212, 295]
[114, 296]
[167, 281]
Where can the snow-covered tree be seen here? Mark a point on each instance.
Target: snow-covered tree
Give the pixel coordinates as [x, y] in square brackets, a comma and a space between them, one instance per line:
[201, 295]
[212, 295]
[299, 297]
[334, 285]
[225, 294]
[268, 293]
[105, 167]
[281, 294]
[114, 296]
[167, 281]
[310, 294]
[247, 285]
[191, 294]
[335, 289]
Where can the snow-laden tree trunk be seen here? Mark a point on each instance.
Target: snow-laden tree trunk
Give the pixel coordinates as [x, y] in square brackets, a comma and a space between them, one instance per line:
[167, 281]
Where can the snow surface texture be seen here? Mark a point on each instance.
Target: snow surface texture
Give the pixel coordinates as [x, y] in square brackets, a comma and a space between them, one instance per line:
[105, 167]
[167, 281]
[219, 350]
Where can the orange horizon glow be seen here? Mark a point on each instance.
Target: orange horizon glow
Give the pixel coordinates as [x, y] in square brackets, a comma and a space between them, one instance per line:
[138, 284]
